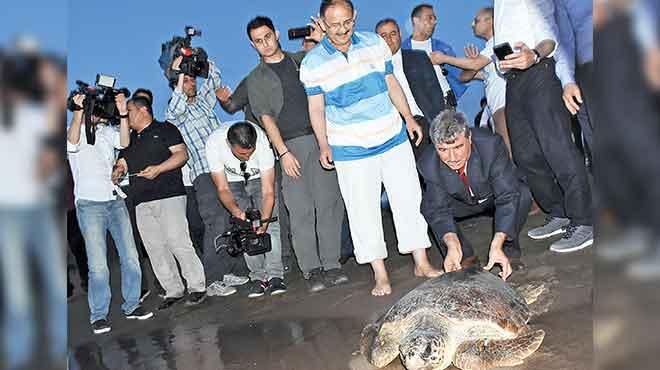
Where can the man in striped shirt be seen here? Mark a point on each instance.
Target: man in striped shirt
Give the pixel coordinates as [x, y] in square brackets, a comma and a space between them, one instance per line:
[354, 104]
[191, 111]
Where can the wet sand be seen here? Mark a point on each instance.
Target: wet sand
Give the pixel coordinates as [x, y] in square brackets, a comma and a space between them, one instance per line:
[303, 331]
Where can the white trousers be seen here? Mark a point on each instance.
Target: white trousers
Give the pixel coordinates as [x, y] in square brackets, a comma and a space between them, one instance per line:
[360, 184]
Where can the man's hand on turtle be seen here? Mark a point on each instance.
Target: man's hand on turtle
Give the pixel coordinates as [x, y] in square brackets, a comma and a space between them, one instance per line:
[497, 256]
[453, 259]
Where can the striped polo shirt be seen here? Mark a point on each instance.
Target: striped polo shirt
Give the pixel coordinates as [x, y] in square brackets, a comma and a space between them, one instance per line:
[361, 120]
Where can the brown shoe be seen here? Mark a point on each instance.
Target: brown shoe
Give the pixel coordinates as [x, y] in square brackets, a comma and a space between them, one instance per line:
[470, 261]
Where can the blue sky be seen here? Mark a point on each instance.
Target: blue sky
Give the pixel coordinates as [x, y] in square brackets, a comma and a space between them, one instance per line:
[123, 38]
[46, 20]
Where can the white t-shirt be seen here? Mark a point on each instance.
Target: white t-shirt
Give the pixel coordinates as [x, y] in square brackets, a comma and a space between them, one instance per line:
[427, 47]
[91, 165]
[494, 83]
[397, 63]
[21, 144]
[220, 157]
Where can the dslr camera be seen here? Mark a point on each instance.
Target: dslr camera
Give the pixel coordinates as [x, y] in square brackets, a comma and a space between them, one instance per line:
[99, 101]
[242, 236]
[195, 60]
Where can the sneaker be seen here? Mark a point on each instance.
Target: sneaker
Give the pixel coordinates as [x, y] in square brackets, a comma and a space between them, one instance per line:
[169, 302]
[552, 226]
[100, 326]
[139, 314]
[219, 288]
[233, 280]
[195, 298]
[646, 269]
[315, 281]
[336, 277]
[276, 286]
[575, 238]
[257, 289]
[145, 293]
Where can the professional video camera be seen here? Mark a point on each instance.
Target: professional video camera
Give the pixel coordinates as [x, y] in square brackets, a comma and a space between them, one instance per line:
[242, 236]
[99, 101]
[195, 60]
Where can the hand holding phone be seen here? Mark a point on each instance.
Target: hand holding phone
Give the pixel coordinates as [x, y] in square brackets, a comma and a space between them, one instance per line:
[502, 50]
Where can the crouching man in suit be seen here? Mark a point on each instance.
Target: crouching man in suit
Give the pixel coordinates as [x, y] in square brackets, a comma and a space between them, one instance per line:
[467, 173]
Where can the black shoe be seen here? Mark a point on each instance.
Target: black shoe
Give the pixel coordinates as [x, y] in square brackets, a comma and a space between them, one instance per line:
[276, 286]
[145, 293]
[100, 326]
[516, 264]
[195, 298]
[257, 289]
[169, 302]
[140, 314]
[336, 277]
[344, 258]
[315, 281]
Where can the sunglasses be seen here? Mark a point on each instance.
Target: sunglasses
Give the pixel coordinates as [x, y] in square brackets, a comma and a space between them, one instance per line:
[246, 175]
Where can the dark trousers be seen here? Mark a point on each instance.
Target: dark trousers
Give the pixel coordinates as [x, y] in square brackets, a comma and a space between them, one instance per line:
[583, 75]
[541, 143]
[195, 223]
[426, 140]
[464, 211]
[216, 221]
[77, 245]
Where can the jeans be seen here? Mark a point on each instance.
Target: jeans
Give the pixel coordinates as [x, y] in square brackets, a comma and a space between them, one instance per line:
[95, 219]
[25, 234]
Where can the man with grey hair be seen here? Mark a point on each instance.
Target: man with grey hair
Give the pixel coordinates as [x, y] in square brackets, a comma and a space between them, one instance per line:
[467, 173]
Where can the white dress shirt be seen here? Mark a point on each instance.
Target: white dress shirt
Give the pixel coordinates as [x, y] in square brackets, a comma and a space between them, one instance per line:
[397, 63]
[91, 165]
[529, 21]
[428, 48]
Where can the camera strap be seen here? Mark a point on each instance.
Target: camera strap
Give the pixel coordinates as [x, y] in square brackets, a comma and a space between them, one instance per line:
[90, 128]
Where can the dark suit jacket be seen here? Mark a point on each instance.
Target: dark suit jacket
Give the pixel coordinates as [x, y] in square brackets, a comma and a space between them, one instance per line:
[492, 177]
[423, 82]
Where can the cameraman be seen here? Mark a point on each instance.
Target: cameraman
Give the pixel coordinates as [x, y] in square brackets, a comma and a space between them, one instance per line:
[242, 168]
[192, 113]
[99, 210]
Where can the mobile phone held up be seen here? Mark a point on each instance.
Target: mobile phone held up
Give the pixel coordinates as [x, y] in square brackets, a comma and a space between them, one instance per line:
[502, 50]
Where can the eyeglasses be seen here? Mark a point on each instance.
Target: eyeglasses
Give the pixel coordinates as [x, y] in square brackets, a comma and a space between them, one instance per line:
[347, 24]
[246, 175]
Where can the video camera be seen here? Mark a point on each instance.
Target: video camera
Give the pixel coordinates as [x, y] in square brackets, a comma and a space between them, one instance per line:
[242, 236]
[195, 60]
[99, 101]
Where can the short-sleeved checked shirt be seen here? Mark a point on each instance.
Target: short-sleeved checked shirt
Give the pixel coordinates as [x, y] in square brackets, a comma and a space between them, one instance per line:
[361, 120]
[196, 120]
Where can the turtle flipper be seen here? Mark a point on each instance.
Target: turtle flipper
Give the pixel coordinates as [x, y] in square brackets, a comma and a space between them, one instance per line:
[531, 292]
[486, 354]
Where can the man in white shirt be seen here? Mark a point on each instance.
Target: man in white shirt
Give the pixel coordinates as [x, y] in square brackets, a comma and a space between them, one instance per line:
[242, 167]
[100, 210]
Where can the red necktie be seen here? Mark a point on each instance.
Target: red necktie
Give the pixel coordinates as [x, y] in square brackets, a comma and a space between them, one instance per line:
[464, 178]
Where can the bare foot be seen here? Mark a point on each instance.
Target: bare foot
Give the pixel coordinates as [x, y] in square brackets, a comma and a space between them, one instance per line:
[382, 288]
[427, 271]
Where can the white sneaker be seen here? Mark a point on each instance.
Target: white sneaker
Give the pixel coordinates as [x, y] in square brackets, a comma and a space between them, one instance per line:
[219, 288]
[233, 280]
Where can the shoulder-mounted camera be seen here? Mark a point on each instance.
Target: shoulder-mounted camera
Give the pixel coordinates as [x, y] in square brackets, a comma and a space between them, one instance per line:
[195, 60]
[242, 236]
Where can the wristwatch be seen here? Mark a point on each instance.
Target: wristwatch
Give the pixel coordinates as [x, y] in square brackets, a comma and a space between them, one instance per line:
[537, 57]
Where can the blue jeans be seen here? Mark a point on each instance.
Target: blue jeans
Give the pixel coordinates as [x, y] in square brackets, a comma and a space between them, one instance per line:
[95, 219]
[30, 234]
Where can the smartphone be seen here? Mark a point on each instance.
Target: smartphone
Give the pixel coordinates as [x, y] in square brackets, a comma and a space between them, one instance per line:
[502, 50]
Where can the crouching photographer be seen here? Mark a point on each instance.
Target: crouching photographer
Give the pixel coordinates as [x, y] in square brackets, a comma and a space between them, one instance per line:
[242, 168]
[91, 154]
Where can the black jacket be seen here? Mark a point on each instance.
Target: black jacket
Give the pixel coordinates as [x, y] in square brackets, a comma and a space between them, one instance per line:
[491, 174]
[423, 82]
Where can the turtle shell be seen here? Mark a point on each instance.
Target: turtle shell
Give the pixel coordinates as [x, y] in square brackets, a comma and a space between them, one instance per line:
[463, 296]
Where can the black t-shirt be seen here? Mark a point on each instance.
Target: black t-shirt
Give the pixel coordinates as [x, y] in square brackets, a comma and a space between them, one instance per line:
[293, 120]
[151, 147]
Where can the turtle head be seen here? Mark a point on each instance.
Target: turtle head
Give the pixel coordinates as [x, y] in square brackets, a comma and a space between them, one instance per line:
[424, 348]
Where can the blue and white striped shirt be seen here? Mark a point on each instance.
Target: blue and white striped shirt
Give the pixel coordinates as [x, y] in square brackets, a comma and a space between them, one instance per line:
[361, 120]
[196, 120]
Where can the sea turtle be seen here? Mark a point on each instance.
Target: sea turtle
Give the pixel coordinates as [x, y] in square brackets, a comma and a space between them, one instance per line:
[469, 318]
